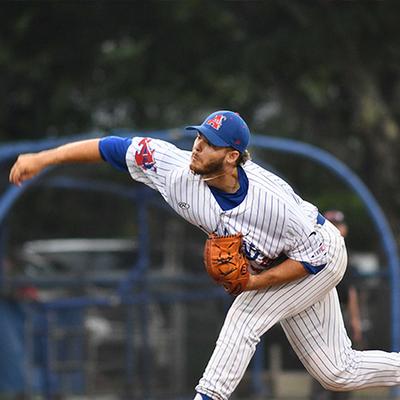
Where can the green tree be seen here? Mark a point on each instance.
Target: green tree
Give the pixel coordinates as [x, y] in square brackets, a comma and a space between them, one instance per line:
[323, 72]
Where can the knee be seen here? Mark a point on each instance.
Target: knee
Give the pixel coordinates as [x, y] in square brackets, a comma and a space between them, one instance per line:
[336, 380]
[244, 335]
[334, 274]
[245, 323]
[335, 268]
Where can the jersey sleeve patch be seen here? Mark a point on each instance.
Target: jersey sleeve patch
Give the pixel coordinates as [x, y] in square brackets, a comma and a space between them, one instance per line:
[144, 155]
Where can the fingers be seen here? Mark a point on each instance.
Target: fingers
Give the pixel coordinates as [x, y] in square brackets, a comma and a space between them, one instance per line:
[20, 171]
[15, 174]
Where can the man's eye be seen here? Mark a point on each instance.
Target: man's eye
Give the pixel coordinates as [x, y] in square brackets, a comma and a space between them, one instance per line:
[204, 139]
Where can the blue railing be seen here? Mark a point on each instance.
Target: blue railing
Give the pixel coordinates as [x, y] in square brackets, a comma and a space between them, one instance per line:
[388, 243]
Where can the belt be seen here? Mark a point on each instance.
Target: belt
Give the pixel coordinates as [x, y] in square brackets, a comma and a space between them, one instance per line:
[320, 219]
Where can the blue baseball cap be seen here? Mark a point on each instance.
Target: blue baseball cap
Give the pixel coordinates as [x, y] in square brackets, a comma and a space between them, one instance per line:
[224, 129]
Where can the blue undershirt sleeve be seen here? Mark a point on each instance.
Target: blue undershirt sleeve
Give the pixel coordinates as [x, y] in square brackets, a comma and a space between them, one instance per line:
[113, 150]
[312, 269]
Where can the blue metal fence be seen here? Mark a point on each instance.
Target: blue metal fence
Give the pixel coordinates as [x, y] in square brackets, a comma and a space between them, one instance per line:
[388, 243]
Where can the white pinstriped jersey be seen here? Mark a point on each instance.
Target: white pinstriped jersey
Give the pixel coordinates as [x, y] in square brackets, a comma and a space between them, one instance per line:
[272, 218]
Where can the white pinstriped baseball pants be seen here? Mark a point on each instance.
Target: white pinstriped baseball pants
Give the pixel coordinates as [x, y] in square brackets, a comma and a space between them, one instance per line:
[310, 315]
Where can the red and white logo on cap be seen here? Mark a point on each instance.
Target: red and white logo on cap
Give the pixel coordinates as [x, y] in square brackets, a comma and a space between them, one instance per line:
[216, 122]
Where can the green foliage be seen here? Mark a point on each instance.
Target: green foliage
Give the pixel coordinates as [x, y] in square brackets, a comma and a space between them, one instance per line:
[322, 72]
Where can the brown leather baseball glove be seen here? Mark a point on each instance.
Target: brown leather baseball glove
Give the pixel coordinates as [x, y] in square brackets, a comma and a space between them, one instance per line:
[225, 262]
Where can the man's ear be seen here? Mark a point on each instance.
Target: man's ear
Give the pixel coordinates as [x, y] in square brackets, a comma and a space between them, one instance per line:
[232, 157]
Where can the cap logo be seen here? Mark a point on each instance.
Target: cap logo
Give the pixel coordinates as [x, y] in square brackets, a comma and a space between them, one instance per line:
[216, 122]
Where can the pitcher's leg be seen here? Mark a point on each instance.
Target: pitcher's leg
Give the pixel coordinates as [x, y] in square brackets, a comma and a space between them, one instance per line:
[254, 312]
[319, 338]
[234, 348]
[249, 317]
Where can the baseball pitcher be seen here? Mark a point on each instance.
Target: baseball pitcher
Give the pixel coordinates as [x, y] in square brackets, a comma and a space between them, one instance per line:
[265, 245]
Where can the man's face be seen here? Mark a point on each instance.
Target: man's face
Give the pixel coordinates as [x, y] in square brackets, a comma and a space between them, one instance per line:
[343, 229]
[207, 159]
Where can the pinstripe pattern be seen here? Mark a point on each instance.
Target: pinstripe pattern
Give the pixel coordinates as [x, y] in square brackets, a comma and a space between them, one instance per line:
[329, 356]
[310, 315]
[274, 220]
[272, 217]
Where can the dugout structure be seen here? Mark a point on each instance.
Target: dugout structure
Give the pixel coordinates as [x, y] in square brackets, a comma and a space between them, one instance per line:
[177, 288]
